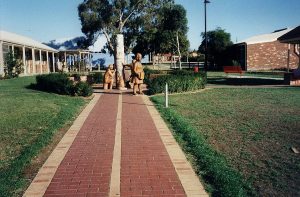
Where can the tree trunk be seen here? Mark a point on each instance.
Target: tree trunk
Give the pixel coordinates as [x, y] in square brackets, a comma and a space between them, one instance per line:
[178, 49]
[119, 61]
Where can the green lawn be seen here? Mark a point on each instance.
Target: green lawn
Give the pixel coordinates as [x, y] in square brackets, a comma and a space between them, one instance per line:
[28, 121]
[247, 79]
[253, 129]
[269, 74]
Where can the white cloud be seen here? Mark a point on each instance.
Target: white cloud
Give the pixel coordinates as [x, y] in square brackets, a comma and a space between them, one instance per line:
[98, 45]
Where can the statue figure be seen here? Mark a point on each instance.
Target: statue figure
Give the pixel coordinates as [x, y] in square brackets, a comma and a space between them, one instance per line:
[108, 77]
[138, 74]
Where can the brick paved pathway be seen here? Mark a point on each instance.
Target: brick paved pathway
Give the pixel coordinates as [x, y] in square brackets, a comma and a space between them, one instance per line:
[146, 166]
[118, 151]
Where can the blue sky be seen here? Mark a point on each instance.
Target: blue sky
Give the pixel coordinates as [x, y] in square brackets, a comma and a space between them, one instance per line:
[45, 20]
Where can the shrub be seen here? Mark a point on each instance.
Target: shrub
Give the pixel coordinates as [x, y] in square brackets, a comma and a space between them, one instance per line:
[178, 81]
[97, 77]
[76, 76]
[60, 84]
[55, 82]
[13, 65]
[83, 89]
[149, 72]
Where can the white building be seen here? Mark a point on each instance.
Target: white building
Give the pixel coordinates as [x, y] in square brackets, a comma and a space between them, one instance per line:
[36, 57]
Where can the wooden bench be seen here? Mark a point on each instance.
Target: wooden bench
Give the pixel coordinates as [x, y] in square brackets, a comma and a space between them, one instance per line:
[232, 69]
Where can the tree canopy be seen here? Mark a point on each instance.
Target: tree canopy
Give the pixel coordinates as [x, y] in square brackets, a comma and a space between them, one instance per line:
[111, 17]
[218, 42]
[162, 37]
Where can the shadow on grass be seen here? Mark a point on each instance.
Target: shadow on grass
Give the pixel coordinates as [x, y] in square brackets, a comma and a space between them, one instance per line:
[244, 81]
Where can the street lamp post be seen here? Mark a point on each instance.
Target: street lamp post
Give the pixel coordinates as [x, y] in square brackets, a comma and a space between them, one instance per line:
[205, 63]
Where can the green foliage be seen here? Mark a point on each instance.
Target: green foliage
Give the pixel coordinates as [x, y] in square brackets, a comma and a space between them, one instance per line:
[14, 66]
[56, 83]
[161, 35]
[149, 72]
[60, 84]
[213, 167]
[173, 24]
[76, 76]
[218, 42]
[83, 89]
[96, 77]
[178, 81]
[127, 17]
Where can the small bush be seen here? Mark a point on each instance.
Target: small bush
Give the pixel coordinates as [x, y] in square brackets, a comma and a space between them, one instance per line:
[96, 77]
[83, 89]
[56, 83]
[13, 66]
[60, 84]
[76, 76]
[178, 81]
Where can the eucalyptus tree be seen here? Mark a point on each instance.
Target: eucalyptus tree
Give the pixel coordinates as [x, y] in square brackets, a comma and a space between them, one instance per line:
[115, 19]
[167, 34]
[175, 27]
[218, 42]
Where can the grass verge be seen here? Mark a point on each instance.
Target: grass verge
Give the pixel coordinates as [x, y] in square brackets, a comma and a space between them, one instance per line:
[211, 165]
[29, 119]
[254, 129]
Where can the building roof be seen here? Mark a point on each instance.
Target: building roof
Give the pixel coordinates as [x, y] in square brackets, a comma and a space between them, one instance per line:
[265, 37]
[292, 36]
[22, 40]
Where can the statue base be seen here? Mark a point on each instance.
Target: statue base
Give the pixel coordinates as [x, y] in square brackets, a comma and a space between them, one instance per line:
[122, 88]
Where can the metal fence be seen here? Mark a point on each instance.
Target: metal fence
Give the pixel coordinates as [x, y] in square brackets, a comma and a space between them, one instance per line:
[187, 65]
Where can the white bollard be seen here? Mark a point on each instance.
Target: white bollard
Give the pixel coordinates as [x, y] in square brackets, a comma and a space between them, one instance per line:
[166, 96]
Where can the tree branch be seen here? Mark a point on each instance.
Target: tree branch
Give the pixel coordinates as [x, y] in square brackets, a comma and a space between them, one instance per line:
[108, 40]
[130, 14]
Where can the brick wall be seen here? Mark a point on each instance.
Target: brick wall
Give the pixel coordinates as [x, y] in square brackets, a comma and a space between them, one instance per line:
[269, 55]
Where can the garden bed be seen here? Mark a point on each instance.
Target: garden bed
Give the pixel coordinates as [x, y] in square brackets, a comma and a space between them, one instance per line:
[178, 81]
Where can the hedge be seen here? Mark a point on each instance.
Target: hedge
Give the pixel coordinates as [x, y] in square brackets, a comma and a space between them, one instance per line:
[60, 83]
[97, 77]
[178, 81]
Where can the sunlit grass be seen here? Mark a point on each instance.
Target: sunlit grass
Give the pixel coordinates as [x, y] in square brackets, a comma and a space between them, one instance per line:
[254, 129]
[28, 121]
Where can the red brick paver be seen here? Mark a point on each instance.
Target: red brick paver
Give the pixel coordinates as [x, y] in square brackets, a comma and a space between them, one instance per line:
[86, 168]
[146, 169]
[123, 148]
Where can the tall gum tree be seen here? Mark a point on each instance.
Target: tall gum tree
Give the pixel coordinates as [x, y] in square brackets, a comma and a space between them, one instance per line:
[114, 19]
[169, 34]
[174, 23]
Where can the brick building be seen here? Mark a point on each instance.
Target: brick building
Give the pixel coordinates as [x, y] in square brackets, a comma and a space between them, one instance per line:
[265, 52]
